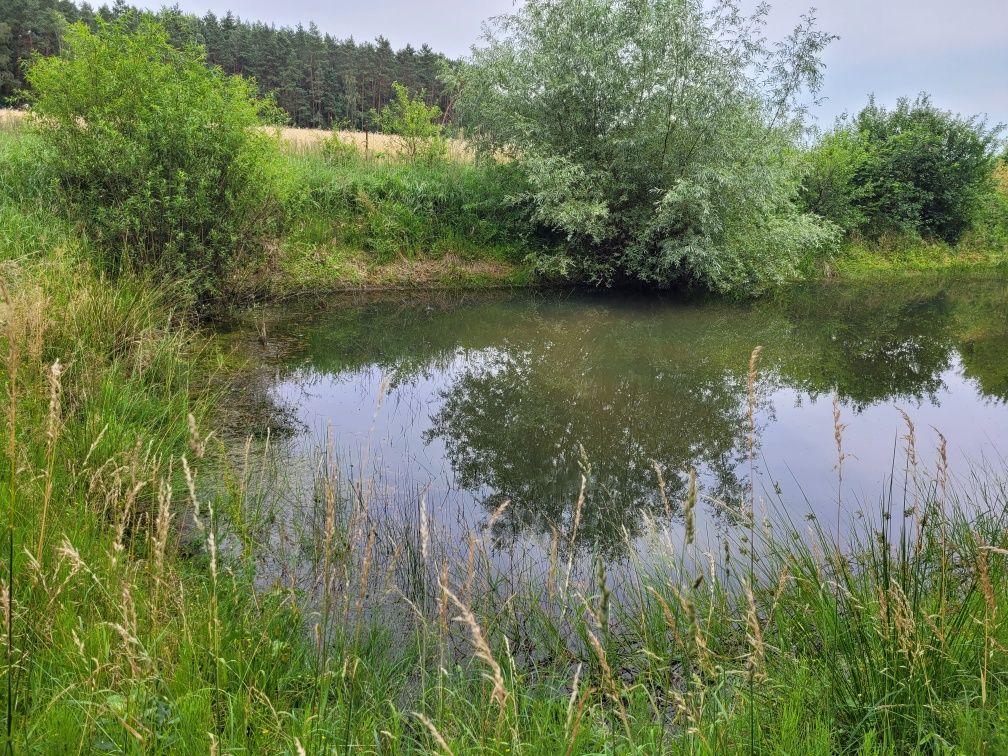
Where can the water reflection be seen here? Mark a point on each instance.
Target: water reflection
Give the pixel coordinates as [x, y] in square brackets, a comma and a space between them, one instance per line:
[514, 397]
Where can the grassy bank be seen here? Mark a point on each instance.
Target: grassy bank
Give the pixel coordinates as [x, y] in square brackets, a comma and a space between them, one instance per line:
[982, 250]
[351, 220]
[862, 260]
[358, 219]
[355, 221]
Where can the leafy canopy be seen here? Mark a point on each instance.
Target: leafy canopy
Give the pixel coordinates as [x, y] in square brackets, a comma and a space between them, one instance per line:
[155, 151]
[658, 136]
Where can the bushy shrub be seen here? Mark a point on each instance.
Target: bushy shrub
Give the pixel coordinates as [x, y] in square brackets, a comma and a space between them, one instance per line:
[914, 170]
[156, 152]
[830, 189]
[658, 137]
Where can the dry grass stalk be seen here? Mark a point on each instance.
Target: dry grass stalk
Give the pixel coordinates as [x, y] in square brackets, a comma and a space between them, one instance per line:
[911, 456]
[365, 572]
[609, 679]
[573, 536]
[467, 589]
[756, 658]
[54, 377]
[838, 429]
[573, 699]
[127, 631]
[5, 596]
[670, 619]
[990, 613]
[983, 574]
[443, 602]
[497, 513]
[196, 442]
[699, 640]
[782, 581]
[751, 437]
[690, 507]
[943, 465]
[190, 480]
[578, 718]
[424, 532]
[162, 526]
[123, 519]
[438, 738]
[212, 546]
[662, 489]
[902, 625]
[604, 596]
[498, 694]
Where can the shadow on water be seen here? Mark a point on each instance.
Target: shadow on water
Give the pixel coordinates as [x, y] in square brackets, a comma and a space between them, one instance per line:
[469, 401]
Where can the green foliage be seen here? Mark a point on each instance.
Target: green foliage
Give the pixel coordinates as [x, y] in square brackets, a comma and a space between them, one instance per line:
[913, 170]
[675, 166]
[336, 152]
[156, 152]
[830, 188]
[413, 122]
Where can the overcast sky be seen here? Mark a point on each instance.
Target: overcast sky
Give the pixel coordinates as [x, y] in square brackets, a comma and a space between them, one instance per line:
[955, 49]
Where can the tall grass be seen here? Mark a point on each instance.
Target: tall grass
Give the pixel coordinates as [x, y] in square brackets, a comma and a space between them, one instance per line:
[393, 208]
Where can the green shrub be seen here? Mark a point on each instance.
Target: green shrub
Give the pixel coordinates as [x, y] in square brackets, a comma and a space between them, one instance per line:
[830, 188]
[413, 122]
[913, 170]
[156, 152]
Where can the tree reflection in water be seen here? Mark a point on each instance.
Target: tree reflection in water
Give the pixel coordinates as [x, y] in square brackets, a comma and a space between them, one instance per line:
[533, 390]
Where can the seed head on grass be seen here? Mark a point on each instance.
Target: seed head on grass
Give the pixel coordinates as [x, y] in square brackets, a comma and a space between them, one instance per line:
[573, 700]
[54, 377]
[688, 509]
[609, 679]
[572, 540]
[424, 532]
[438, 738]
[661, 488]
[756, 656]
[499, 693]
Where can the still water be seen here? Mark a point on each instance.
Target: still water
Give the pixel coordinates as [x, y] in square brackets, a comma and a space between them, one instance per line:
[470, 401]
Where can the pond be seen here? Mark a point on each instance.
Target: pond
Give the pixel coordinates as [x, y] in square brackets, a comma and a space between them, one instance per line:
[466, 402]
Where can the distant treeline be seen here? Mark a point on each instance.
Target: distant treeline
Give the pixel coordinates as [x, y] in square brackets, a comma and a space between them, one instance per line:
[319, 80]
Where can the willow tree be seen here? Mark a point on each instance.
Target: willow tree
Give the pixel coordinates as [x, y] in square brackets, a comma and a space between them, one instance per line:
[659, 136]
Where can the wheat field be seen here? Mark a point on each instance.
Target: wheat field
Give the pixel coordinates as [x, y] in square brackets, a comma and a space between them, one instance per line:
[305, 140]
